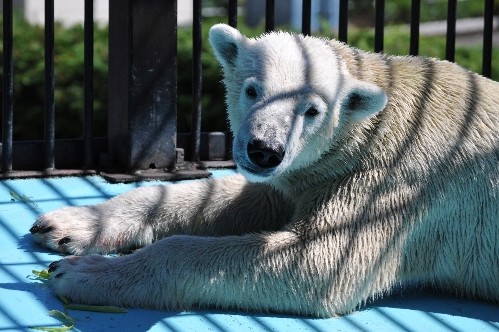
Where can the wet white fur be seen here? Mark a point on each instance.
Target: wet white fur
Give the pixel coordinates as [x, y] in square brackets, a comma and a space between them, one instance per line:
[400, 188]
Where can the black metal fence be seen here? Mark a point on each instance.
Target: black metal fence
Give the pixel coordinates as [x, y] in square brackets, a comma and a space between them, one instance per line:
[142, 111]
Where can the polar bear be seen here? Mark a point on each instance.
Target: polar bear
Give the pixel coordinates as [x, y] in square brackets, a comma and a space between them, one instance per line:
[358, 173]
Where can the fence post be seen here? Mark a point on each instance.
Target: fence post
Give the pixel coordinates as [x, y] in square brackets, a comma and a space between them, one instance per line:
[8, 87]
[142, 83]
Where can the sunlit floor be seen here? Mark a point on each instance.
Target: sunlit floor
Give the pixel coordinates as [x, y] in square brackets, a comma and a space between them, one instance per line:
[25, 302]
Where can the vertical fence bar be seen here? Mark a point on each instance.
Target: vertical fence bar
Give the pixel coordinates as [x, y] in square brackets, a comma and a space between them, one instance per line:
[450, 46]
[8, 88]
[487, 38]
[306, 17]
[89, 66]
[233, 13]
[196, 80]
[379, 25]
[343, 22]
[415, 16]
[269, 15]
[49, 85]
[232, 23]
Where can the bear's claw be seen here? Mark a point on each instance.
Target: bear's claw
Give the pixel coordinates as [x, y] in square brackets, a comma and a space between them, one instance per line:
[53, 266]
[40, 229]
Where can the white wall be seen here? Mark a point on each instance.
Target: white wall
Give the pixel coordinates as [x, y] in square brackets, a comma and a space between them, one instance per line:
[70, 12]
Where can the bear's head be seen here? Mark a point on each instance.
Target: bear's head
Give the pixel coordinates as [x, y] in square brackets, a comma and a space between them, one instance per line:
[289, 97]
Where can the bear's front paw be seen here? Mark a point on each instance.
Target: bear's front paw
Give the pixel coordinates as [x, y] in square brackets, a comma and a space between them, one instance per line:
[73, 230]
[123, 281]
[83, 279]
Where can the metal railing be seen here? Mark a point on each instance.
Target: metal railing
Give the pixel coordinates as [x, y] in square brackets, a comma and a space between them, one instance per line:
[142, 87]
[42, 155]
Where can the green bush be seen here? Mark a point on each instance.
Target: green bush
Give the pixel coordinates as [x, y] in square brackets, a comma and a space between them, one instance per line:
[213, 100]
[399, 11]
[29, 74]
[28, 54]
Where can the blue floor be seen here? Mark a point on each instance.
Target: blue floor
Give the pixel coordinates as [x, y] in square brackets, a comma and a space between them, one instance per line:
[25, 302]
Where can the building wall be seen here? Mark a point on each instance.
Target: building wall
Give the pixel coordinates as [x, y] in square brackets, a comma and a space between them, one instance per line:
[70, 12]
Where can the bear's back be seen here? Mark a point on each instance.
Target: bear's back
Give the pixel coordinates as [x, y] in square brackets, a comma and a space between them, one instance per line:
[435, 107]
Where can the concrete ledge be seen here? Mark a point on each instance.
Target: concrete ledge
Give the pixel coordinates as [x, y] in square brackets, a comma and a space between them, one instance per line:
[464, 26]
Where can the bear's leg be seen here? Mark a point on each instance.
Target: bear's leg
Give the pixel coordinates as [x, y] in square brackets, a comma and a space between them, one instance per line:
[262, 272]
[284, 271]
[141, 216]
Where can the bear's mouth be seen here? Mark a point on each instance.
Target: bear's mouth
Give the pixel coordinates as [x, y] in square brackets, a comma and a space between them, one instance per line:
[255, 174]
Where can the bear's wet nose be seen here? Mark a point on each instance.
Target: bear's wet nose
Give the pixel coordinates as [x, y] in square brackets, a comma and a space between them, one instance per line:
[264, 156]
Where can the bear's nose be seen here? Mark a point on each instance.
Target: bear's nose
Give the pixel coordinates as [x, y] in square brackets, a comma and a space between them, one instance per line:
[264, 156]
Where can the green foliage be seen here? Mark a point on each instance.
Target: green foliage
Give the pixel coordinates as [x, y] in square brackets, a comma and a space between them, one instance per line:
[28, 54]
[399, 11]
[29, 73]
[213, 100]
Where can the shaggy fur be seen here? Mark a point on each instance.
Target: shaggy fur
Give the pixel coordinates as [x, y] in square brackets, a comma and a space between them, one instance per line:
[360, 172]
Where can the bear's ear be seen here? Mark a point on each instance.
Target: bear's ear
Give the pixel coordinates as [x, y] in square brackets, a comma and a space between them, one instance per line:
[363, 100]
[226, 42]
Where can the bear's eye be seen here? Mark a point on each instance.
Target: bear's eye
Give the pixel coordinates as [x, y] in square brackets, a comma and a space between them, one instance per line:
[312, 111]
[251, 92]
